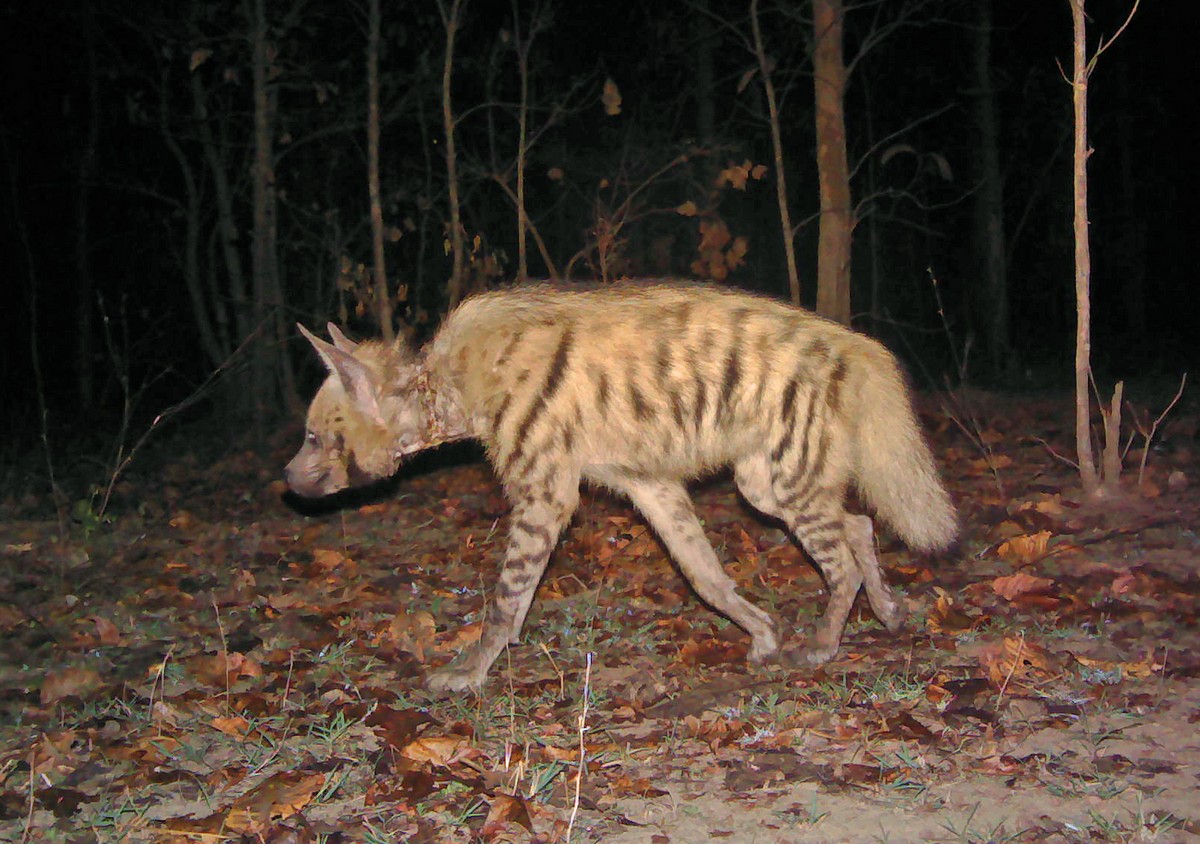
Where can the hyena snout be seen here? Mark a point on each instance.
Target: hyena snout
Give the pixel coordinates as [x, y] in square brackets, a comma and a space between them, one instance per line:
[310, 477]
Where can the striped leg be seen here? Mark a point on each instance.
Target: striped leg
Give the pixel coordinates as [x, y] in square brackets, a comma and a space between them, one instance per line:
[820, 529]
[669, 511]
[539, 515]
[840, 544]
[860, 535]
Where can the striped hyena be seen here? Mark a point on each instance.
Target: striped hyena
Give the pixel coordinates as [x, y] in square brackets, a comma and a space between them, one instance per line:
[639, 388]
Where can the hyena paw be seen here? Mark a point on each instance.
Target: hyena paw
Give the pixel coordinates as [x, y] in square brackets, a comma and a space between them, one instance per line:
[456, 679]
[892, 615]
[820, 649]
[763, 649]
[819, 656]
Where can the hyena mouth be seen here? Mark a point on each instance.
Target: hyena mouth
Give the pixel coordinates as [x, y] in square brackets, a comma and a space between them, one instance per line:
[311, 487]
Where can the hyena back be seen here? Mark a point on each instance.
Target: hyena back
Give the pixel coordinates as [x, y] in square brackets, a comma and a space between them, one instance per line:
[639, 388]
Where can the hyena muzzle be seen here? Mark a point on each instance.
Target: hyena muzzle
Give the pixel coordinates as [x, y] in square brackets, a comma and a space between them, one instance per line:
[639, 388]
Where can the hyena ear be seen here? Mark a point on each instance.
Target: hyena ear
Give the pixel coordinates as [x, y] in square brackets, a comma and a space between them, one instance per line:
[357, 380]
[340, 340]
[329, 354]
[362, 386]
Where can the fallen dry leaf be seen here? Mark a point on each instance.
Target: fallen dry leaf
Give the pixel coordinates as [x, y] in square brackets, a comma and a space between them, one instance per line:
[946, 617]
[443, 751]
[1026, 549]
[1137, 669]
[506, 809]
[221, 669]
[183, 520]
[328, 559]
[460, 637]
[1017, 660]
[235, 726]
[413, 632]
[69, 681]
[1013, 585]
[280, 796]
[1051, 506]
[107, 632]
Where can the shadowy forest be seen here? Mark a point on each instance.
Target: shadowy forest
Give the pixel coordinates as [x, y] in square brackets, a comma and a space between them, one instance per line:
[184, 182]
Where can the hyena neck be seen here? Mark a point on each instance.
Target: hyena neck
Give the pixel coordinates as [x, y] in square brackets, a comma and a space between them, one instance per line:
[442, 411]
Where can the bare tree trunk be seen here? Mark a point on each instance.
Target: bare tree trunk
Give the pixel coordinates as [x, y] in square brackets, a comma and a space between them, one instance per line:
[214, 155]
[451, 19]
[543, 250]
[202, 309]
[704, 37]
[989, 201]
[12, 166]
[85, 284]
[416, 302]
[785, 216]
[1088, 474]
[522, 140]
[383, 299]
[205, 312]
[837, 216]
[266, 283]
[1103, 481]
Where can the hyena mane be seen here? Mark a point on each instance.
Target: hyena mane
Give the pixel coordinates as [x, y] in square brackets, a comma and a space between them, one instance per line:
[639, 388]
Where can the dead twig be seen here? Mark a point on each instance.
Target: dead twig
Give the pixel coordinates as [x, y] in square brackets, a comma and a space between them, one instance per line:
[1147, 432]
[587, 693]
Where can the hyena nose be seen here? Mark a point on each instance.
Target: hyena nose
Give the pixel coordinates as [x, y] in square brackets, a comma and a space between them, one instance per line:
[297, 481]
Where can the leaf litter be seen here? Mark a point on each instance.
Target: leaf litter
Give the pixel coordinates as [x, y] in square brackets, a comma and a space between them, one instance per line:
[223, 664]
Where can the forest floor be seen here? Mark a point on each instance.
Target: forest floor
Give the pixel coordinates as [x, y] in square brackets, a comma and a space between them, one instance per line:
[211, 664]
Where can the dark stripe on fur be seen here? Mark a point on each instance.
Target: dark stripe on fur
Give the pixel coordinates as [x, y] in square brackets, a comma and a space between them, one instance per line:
[602, 393]
[701, 405]
[554, 377]
[818, 547]
[729, 382]
[789, 419]
[641, 409]
[662, 361]
[502, 360]
[836, 379]
[677, 410]
[535, 530]
[498, 417]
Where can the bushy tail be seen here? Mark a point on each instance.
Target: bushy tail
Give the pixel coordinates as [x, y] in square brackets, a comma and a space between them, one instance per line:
[894, 469]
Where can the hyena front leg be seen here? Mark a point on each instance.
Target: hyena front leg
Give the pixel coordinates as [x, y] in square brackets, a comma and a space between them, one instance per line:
[669, 511]
[841, 545]
[540, 512]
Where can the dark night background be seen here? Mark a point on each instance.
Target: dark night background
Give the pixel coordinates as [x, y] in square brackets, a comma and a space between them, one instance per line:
[113, 77]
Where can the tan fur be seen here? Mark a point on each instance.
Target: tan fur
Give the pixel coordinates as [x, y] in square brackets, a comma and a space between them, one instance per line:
[640, 388]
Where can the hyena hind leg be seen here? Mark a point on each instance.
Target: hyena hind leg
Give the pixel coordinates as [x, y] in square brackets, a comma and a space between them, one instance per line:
[860, 534]
[821, 531]
[840, 544]
[536, 521]
[668, 509]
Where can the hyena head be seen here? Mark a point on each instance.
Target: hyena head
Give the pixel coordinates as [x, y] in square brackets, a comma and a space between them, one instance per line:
[363, 420]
